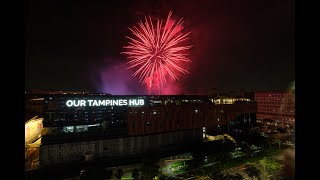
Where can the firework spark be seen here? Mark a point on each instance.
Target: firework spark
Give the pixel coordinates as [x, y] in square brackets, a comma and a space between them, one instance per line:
[157, 52]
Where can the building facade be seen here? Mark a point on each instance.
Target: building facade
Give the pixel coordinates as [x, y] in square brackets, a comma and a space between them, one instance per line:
[276, 106]
[106, 126]
[117, 147]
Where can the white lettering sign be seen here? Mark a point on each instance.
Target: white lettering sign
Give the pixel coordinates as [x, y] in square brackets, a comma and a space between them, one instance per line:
[107, 102]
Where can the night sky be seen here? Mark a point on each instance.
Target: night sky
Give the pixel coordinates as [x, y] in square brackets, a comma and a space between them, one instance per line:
[76, 45]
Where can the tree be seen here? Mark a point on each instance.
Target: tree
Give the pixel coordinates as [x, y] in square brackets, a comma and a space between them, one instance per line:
[237, 177]
[216, 175]
[233, 177]
[119, 174]
[93, 173]
[198, 158]
[279, 142]
[135, 174]
[108, 174]
[149, 170]
[270, 166]
[253, 171]
[162, 177]
[221, 176]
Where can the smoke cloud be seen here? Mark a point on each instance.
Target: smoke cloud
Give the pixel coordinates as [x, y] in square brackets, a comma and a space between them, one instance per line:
[115, 79]
[112, 76]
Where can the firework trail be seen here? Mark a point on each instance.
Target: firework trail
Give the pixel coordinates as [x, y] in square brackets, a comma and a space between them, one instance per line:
[157, 52]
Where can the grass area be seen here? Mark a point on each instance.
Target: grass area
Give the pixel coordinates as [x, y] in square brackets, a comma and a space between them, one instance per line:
[223, 165]
[244, 160]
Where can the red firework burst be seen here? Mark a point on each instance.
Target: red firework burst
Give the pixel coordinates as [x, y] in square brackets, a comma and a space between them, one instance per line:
[156, 52]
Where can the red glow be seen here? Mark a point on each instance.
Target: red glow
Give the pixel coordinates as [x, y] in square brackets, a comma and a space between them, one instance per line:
[156, 52]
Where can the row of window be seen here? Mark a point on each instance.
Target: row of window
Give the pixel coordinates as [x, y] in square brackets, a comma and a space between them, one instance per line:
[80, 128]
[276, 104]
[275, 109]
[270, 108]
[280, 119]
[158, 112]
[272, 95]
[280, 103]
[148, 123]
[277, 116]
[76, 119]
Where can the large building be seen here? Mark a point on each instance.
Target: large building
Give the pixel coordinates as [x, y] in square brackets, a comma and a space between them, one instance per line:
[106, 126]
[276, 107]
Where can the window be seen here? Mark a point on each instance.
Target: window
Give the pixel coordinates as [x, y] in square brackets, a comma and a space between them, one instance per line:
[68, 129]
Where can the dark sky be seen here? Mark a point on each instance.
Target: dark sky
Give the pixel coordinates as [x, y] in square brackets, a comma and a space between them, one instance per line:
[76, 45]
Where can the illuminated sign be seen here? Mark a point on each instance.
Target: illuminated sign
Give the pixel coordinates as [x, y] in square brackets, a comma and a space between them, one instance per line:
[106, 102]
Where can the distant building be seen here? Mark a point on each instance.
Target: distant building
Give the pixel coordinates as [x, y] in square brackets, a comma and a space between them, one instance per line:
[50, 92]
[276, 107]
